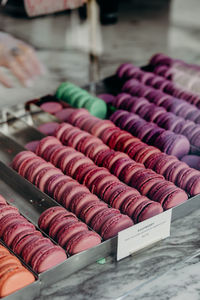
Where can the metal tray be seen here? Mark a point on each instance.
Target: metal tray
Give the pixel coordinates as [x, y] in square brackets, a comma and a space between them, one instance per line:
[32, 202]
[18, 126]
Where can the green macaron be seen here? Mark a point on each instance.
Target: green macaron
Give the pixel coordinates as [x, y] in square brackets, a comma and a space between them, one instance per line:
[79, 98]
[96, 107]
[62, 87]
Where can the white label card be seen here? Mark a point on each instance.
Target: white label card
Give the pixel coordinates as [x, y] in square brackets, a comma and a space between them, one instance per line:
[143, 234]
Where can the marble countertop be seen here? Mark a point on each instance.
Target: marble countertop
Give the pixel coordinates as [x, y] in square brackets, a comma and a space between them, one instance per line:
[170, 269]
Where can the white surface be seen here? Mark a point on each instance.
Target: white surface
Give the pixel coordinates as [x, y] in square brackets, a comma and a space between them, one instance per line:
[143, 234]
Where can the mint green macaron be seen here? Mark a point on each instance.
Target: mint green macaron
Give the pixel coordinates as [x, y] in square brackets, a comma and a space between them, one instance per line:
[96, 107]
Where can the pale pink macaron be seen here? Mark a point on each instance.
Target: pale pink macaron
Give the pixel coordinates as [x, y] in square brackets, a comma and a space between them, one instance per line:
[51, 107]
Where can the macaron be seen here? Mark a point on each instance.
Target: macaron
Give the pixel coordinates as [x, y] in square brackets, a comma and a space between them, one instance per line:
[20, 236]
[2, 200]
[193, 186]
[7, 210]
[184, 176]
[45, 142]
[19, 158]
[80, 200]
[50, 213]
[99, 218]
[47, 258]
[14, 279]
[68, 231]
[31, 146]
[113, 225]
[30, 249]
[24, 239]
[82, 241]
[64, 114]
[147, 209]
[48, 128]
[13, 229]
[108, 98]
[73, 95]
[193, 161]
[51, 107]
[58, 222]
[90, 209]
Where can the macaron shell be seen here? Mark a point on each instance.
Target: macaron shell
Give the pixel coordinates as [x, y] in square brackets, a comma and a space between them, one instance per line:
[31, 146]
[193, 185]
[20, 157]
[174, 199]
[47, 216]
[9, 259]
[48, 128]
[43, 176]
[15, 280]
[79, 201]
[33, 247]
[115, 224]
[26, 239]
[8, 212]
[9, 219]
[22, 235]
[131, 203]
[48, 258]
[68, 231]
[57, 223]
[90, 209]
[146, 210]
[51, 107]
[82, 241]
[99, 219]
[2, 200]
[119, 200]
[14, 229]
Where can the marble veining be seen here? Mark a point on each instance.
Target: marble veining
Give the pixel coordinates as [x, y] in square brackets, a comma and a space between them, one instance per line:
[168, 270]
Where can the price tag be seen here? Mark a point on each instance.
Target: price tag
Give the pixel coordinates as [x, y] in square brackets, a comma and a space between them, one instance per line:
[143, 234]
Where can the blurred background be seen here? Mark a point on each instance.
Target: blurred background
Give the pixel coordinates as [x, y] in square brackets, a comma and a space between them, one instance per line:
[88, 42]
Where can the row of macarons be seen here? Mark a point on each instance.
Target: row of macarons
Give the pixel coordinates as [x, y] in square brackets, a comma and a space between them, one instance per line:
[157, 103]
[158, 82]
[171, 104]
[120, 140]
[121, 165]
[178, 71]
[97, 179]
[78, 98]
[160, 116]
[117, 163]
[146, 181]
[149, 132]
[190, 159]
[152, 113]
[69, 193]
[37, 251]
[13, 274]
